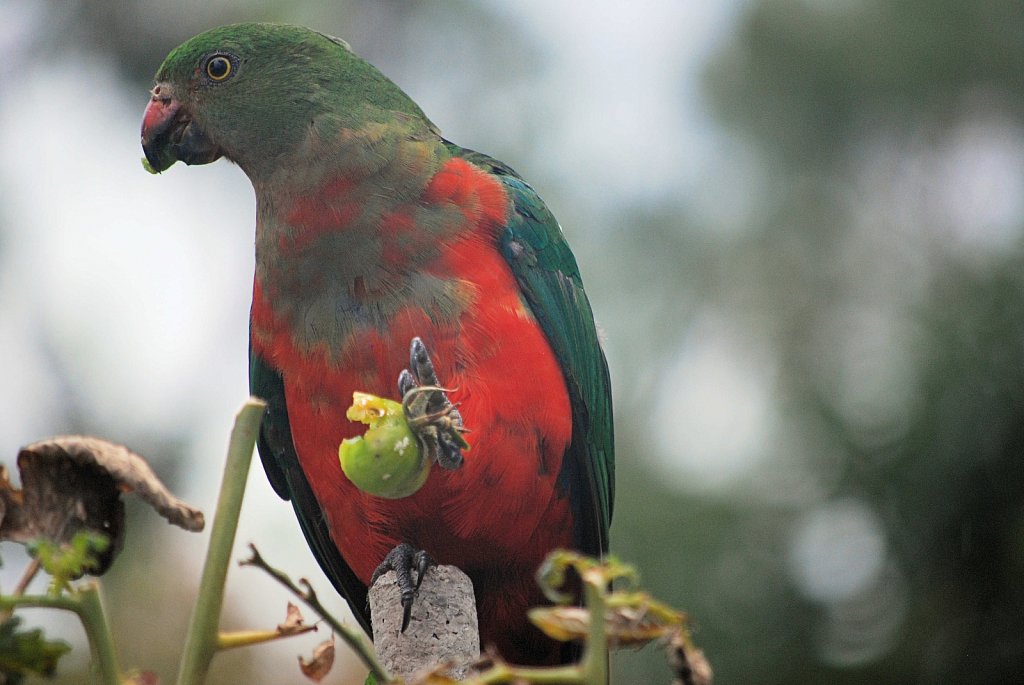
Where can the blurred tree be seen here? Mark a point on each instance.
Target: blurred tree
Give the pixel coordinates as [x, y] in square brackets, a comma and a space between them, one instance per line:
[890, 293]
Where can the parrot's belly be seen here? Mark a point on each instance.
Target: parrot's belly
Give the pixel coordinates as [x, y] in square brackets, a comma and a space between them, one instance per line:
[501, 506]
[495, 517]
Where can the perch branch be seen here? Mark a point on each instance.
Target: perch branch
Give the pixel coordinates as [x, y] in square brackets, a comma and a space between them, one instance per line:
[443, 628]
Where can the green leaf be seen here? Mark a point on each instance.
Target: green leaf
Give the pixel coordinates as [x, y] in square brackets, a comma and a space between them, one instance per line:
[66, 562]
[27, 652]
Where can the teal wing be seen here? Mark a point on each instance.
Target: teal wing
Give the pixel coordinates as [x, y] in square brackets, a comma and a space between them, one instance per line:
[289, 481]
[546, 271]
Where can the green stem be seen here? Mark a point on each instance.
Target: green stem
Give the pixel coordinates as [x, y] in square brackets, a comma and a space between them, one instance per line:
[62, 602]
[247, 638]
[90, 610]
[595, 654]
[201, 643]
[555, 675]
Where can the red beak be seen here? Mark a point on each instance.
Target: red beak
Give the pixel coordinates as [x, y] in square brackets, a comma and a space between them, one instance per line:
[169, 134]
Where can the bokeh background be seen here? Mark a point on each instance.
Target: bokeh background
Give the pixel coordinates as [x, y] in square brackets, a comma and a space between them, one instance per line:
[800, 224]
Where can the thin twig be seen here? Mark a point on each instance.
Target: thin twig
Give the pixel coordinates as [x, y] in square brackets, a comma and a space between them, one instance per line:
[351, 637]
[26, 578]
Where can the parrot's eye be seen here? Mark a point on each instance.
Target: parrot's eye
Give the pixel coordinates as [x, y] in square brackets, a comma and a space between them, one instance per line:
[219, 67]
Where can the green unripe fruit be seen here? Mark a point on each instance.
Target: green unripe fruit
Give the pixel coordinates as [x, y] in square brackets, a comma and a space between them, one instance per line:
[386, 460]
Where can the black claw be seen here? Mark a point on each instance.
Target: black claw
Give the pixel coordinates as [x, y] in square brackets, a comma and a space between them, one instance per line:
[406, 382]
[423, 562]
[402, 560]
[436, 422]
[420, 364]
[450, 454]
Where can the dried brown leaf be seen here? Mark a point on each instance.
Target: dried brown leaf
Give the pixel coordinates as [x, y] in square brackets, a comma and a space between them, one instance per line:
[142, 678]
[562, 623]
[320, 665]
[294, 623]
[635, 619]
[443, 673]
[435, 677]
[631, 620]
[10, 500]
[74, 483]
[688, 663]
[129, 471]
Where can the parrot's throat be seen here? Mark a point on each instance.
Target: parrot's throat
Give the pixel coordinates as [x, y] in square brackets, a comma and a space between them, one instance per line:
[343, 257]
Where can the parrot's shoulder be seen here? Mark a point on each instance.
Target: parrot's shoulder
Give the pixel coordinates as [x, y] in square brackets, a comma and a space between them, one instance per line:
[532, 236]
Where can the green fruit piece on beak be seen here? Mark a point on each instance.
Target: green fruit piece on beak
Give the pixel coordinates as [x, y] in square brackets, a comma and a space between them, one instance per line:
[386, 460]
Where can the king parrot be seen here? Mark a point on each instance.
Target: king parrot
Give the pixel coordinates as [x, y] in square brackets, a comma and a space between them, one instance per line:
[373, 230]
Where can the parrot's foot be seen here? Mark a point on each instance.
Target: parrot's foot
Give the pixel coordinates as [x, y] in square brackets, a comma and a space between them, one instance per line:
[402, 560]
[433, 418]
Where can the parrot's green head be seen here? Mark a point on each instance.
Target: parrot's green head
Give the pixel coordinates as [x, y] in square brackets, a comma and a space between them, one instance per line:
[254, 92]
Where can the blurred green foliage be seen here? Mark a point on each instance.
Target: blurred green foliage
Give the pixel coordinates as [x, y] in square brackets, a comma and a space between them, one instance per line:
[26, 652]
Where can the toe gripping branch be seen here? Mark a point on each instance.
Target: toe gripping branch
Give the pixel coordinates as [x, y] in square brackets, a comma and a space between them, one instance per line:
[433, 418]
[402, 560]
